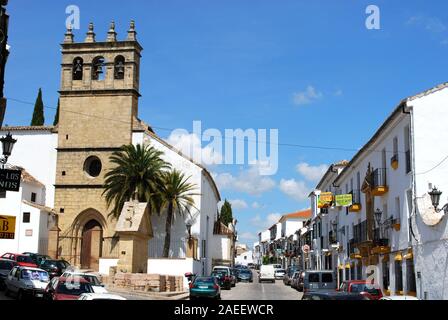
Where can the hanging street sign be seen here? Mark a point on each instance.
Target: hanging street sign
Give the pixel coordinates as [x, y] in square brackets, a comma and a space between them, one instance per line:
[344, 200]
[325, 199]
[10, 180]
[7, 227]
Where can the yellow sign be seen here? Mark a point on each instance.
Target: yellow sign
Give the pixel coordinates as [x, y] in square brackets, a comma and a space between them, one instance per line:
[325, 199]
[7, 227]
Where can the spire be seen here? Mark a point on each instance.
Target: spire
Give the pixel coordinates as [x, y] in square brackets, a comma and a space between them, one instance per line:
[132, 34]
[111, 34]
[90, 34]
[69, 35]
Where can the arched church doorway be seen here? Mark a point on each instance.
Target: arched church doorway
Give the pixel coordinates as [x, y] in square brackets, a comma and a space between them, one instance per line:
[92, 235]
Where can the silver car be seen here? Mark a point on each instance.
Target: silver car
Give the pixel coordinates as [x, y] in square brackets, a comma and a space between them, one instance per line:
[26, 281]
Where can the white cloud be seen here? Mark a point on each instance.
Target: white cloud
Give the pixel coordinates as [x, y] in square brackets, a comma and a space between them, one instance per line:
[247, 236]
[311, 173]
[264, 223]
[248, 181]
[296, 190]
[238, 204]
[430, 24]
[256, 205]
[190, 145]
[308, 96]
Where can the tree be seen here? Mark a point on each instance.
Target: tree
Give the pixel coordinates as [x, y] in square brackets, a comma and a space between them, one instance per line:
[226, 215]
[56, 117]
[38, 114]
[176, 197]
[137, 172]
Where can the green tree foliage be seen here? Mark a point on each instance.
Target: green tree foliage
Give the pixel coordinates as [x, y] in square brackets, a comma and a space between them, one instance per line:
[56, 117]
[38, 114]
[226, 215]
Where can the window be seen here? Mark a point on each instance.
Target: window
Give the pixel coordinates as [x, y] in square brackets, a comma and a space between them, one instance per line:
[314, 278]
[93, 166]
[119, 68]
[327, 278]
[398, 277]
[386, 280]
[26, 217]
[410, 276]
[98, 70]
[407, 148]
[33, 196]
[396, 147]
[78, 64]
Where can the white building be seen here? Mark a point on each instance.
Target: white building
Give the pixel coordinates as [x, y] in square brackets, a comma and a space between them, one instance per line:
[244, 258]
[391, 223]
[33, 218]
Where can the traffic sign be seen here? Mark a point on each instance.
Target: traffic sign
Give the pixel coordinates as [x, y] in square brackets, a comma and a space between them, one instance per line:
[7, 227]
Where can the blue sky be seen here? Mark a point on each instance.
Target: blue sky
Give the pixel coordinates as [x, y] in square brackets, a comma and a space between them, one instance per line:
[250, 64]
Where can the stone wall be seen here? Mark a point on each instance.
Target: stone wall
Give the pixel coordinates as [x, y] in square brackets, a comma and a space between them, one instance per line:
[147, 282]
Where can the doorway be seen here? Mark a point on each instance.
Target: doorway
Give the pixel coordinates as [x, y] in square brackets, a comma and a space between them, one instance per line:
[91, 242]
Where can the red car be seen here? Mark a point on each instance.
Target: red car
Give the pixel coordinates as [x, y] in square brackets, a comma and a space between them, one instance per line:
[371, 291]
[21, 259]
[68, 288]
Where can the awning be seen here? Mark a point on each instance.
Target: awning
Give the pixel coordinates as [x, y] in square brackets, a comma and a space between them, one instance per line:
[341, 267]
[398, 257]
[348, 266]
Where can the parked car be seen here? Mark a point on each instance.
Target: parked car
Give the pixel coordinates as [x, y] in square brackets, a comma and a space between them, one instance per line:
[234, 276]
[295, 280]
[21, 259]
[6, 266]
[37, 258]
[277, 266]
[245, 275]
[267, 273]
[373, 292]
[93, 279]
[288, 275]
[227, 275]
[279, 274]
[67, 289]
[300, 281]
[100, 296]
[55, 268]
[398, 298]
[315, 280]
[332, 295]
[205, 287]
[224, 280]
[27, 282]
[251, 265]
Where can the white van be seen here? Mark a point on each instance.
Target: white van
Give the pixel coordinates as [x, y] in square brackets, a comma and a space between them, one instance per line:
[267, 273]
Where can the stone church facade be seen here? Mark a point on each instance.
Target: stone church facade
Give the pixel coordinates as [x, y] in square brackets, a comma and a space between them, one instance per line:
[98, 114]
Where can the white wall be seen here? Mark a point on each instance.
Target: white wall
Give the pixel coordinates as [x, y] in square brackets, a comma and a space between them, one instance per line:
[244, 258]
[36, 152]
[170, 267]
[430, 148]
[105, 265]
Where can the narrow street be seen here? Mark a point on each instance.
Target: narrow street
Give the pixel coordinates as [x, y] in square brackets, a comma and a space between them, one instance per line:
[261, 291]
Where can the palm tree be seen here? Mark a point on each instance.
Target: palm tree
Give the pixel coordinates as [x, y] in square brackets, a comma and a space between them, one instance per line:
[138, 173]
[176, 196]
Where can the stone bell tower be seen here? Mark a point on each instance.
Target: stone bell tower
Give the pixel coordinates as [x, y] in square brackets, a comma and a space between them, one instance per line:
[98, 107]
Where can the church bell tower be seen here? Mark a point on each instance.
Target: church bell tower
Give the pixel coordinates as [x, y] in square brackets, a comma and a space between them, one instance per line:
[98, 106]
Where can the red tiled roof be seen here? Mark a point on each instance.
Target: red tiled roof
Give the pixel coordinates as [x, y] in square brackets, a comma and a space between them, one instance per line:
[305, 214]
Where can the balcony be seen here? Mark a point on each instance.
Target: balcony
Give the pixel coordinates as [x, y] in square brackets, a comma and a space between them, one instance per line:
[356, 206]
[379, 179]
[332, 238]
[380, 244]
[394, 162]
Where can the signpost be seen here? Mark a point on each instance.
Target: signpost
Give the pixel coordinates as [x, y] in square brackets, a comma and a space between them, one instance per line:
[325, 199]
[344, 200]
[7, 227]
[10, 180]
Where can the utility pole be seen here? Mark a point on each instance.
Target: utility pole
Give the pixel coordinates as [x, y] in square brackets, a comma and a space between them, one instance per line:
[4, 52]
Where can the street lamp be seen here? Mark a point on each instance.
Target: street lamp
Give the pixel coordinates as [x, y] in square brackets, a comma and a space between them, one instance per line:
[435, 199]
[7, 145]
[378, 216]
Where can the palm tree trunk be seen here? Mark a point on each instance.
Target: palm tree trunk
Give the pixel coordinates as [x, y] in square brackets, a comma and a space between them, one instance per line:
[169, 220]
